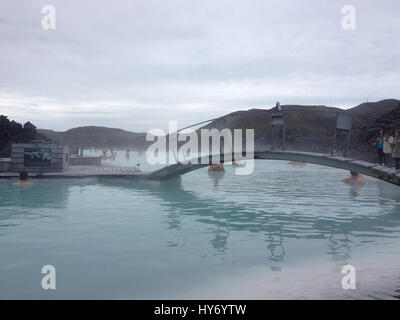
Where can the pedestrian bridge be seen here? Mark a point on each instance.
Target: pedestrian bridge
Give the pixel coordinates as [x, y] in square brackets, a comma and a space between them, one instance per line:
[175, 170]
[366, 168]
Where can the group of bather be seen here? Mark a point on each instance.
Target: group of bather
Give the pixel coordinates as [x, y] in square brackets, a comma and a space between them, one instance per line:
[388, 152]
[109, 156]
[389, 148]
[113, 154]
[219, 167]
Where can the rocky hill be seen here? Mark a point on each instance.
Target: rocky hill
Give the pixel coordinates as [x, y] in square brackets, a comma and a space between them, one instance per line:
[98, 137]
[308, 128]
[311, 128]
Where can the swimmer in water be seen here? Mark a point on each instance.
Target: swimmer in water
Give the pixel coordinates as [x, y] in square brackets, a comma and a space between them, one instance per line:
[297, 163]
[23, 180]
[217, 167]
[355, 179]
[112, 155]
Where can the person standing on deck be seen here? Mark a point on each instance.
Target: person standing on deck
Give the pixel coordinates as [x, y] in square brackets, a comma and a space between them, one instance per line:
[387, 149]
[396, 149]
[380, 147]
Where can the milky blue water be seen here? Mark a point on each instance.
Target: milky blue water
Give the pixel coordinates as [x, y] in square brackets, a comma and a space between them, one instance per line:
[216, 236]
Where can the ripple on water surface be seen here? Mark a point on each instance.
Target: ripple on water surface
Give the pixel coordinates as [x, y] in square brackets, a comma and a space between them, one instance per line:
[272, 229]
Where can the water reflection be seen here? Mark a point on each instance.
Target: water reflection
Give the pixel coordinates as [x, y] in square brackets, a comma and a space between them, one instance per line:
[215, 177]
[275, 246]
[26, 201]
[388, 193]
[342, 231]
[339, 248]
[354, 191]
[44, 193]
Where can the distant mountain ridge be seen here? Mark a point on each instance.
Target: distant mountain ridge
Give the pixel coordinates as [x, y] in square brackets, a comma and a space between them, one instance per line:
[308, 128]
[311, 128]
[375, 108]
[98, 137]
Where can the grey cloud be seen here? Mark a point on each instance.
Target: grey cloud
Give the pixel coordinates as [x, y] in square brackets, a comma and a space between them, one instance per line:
[190, 60]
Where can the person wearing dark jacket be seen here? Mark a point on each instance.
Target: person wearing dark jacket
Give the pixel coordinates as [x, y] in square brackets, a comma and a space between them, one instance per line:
[380, 141]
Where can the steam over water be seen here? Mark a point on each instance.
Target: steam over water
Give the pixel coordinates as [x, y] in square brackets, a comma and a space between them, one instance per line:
[284, 231]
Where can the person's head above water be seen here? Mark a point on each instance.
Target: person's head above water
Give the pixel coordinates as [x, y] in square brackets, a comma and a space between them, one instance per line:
[354, 174]
[23, 176]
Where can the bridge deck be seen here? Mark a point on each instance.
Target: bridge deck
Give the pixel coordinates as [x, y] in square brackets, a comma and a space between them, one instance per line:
[370, 169]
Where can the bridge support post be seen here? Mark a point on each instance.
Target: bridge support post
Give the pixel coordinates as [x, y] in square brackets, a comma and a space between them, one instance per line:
[343, 122]
[278, 119]
[272, 138]
[347, 144]
[334, 142]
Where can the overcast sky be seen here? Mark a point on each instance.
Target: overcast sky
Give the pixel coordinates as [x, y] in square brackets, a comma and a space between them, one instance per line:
[137, 64]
